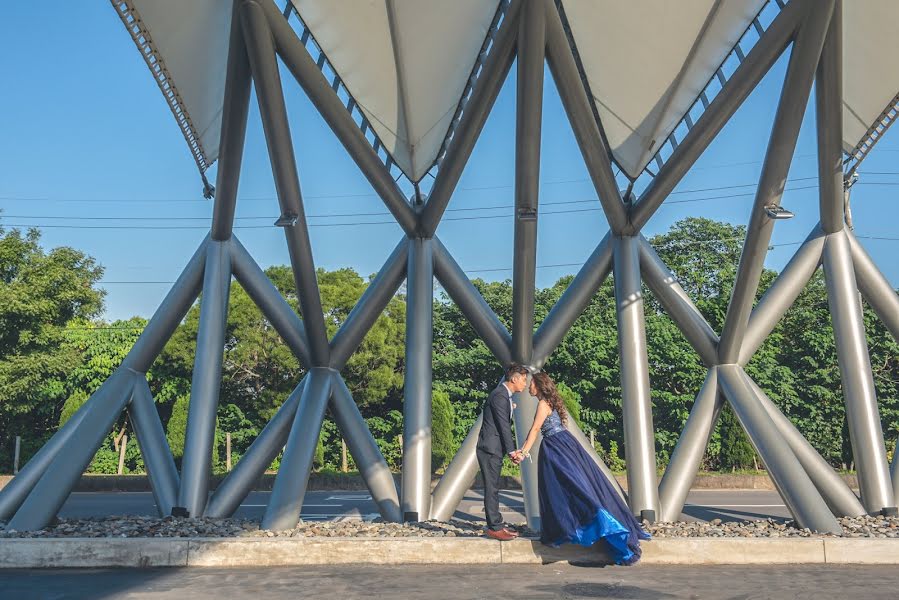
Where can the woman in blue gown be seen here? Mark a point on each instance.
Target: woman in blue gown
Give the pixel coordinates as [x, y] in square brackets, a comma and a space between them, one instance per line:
[578, 505]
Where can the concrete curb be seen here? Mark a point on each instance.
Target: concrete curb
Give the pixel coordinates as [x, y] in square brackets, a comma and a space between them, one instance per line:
[263, 552]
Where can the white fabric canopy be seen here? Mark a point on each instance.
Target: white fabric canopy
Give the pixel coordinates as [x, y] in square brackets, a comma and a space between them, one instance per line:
[647, 62]
[407, 62]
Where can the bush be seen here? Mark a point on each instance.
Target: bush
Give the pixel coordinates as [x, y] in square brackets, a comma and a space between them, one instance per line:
[736, 450]
[442, 443]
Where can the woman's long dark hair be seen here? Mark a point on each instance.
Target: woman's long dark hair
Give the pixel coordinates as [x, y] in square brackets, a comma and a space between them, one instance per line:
[546, 390]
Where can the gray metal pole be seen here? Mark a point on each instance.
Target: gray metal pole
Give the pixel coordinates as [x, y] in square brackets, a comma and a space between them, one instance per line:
[16, 454]
[66, 468]
[490, 81]
[668, 291]
[458, 477]
[529, 117]
[837, 495]
[783, 292]
[636, 401]
[365, 451]
[793, 483]
[784, 133]
[161, 469]
[286, 502]
[862, 416]
[14, 493]
[690, 448]
[249, 469]
[829, 116]
[876, 289]
[470, 302]
[370, 306]
[264, 64]
[574, 300]
[744, 80]
[206, 381]
[523, 417]
[270, 301]
[169, 315]
[234, 127]
[297, 60]
[416, 485]
[587, 131]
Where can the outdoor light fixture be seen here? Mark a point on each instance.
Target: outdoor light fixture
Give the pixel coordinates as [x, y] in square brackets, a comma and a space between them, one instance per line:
[778, 213]
[287, 220]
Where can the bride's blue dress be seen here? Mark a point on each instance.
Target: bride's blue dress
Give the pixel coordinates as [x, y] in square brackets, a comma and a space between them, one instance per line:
[578, 505]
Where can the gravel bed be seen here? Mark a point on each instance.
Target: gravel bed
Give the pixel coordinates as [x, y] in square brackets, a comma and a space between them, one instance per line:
[140, 527]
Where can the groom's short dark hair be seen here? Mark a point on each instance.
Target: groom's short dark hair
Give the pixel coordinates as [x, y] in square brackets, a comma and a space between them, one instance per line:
[515, 369]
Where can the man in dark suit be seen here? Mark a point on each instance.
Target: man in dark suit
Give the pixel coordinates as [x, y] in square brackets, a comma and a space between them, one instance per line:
[495, 442]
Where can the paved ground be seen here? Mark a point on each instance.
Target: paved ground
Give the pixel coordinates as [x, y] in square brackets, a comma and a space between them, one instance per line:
[733, 505]
[442, 583]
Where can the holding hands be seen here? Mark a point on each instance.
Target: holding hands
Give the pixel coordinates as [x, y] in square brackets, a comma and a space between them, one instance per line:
[518, 456]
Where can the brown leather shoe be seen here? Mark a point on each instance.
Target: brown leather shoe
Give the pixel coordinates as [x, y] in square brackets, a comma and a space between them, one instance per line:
[502, 535]
[511, 532]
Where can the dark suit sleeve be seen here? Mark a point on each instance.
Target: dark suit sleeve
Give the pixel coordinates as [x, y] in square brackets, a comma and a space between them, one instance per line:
[502, 414]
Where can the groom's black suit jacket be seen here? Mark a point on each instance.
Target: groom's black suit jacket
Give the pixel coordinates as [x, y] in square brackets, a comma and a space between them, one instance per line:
[496, 430]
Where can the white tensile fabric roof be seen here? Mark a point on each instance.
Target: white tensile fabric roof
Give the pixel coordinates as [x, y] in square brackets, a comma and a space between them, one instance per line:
[407, 62]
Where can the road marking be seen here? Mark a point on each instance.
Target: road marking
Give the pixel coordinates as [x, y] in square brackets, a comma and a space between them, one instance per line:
[739, 505]
[350, 497]
[304, 506]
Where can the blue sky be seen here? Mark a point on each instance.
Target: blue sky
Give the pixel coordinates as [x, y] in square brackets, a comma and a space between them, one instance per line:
[90, 151]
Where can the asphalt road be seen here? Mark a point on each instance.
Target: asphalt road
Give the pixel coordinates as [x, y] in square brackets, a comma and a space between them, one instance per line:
[812, 582]
[728, 505]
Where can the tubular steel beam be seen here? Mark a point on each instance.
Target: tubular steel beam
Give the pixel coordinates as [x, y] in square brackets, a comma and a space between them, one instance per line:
[636, 402]
[791, 480]
[470, 302]
[66, 468]
[264, 65]
[837, 495]
[691, 446]
[270, 301]
[781, 145]
[523, 417]
[416, 484]
[483, 96]
[876, 289]
[206, 381]
[668, 291]
[458, 477]
[862, 415]
[829, 115]
[370, 306]
[161, 469]
[574, 300]
[286, 501]
[587, 131]
[365, 451]
[744, 80]
[332, 110]
[239, 483]
[233, 133]
[170, 313]
[783, 292]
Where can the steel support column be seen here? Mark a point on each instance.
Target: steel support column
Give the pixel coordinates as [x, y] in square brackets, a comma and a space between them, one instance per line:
[233, 130]
[829, 115]
[791, 480]
[319, 91]
[416, 484]
[862, 415]
[365, 451]
[690, 448]
[636, 402]
[206, 381]
[286, 502]
[483, 320]
[523, 417]
[161, 469]
[259, 456]
[66, 468]
[458, 477]
[264, 65]
[876, 289]
[781, 145]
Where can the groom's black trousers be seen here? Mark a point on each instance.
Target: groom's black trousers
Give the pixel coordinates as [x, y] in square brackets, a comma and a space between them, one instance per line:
[491, 466]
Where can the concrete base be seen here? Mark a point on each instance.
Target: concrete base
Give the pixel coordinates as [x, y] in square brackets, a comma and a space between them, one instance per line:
[261, 552]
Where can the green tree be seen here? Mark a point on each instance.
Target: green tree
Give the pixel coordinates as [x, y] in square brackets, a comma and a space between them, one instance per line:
[442, 443]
